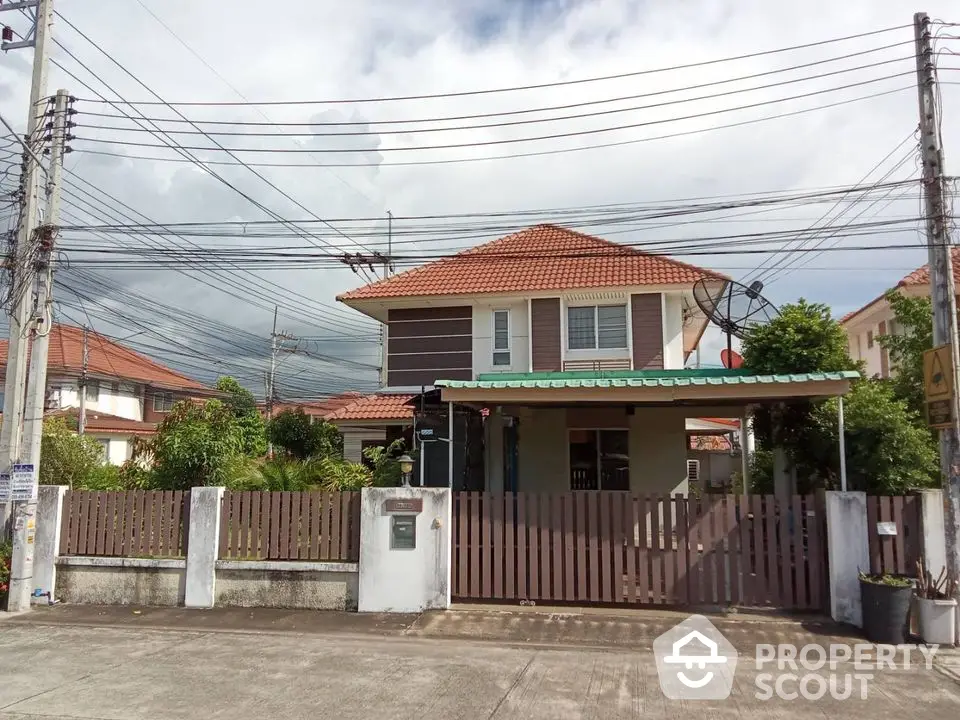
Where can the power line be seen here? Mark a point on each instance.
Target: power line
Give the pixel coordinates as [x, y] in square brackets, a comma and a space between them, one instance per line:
[563, 83]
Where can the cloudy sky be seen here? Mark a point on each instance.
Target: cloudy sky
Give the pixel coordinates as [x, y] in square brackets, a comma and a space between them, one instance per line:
[217, 57]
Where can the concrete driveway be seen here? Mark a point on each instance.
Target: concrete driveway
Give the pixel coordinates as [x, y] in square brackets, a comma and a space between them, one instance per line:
[160, 665]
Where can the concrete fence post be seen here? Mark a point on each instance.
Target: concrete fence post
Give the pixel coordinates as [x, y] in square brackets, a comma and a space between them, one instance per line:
[49, 519]
[848, 552]
[404, 549]
[203, 546]
[933, 548]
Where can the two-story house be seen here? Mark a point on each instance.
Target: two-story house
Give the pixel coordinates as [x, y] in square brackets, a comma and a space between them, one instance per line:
[864, 325]
[126, 394]
[558, 360]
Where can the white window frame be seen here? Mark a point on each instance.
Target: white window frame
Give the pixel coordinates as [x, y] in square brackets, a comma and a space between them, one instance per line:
[596, 327]
[93, 396]
[105, 444]
[162, 397]
[493, 339]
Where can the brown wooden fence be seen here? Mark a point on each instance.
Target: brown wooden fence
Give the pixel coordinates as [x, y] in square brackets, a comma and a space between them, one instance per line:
[894, 554]
[135, 523]
[290, 526]
[618, 547]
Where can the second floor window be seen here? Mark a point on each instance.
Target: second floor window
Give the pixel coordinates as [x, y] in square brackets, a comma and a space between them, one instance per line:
[162, 402]
[92, 390]
[594, 327]
[501, 337]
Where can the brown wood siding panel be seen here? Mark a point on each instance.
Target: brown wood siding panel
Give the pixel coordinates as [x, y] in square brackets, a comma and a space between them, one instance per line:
[430, 313]
[432, 344]
[431, 328]
[545, 330]
[413, 378]
[646, 316]
[428, 360]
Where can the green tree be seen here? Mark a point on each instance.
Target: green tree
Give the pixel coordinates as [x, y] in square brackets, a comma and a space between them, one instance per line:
[195, 445]
[302, 438]
[65, 457]
[240, 401]
[914, 320]
[888, 450]
[803, 338]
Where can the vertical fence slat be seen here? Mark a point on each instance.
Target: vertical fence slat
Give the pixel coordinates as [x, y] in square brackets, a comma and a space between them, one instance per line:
[523, 575]
[580, 524]
[313, 529]
[618, 505]
[546, 587]
[886, 542]
[656, 559]
[556, 541]
[743, 550]
[533, 545]
[85, 524]
[731, 536]
[162, 547]
[178, 541]
[669, 555]
[325, 526]
[171, 530]
[463, 558]
[256, 544]
[799, 571]
[101, 529]
[474, 502]
[273, 520]
[509, 546]
[335, 525]
[762, 594]
[709, 557]
[226, 513]
[630, 557]
[787, 598]
[569, 548]
[155, 531]
[642, 516]
[681, 585]
[592, 533]
[773, 550]
[64, 548]
[606, 561]
[486, 545]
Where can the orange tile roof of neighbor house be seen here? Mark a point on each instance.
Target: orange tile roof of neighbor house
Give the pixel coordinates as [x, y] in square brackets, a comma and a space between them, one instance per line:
[106, 358]
[543, 257]
[98, 422]
[380, 406]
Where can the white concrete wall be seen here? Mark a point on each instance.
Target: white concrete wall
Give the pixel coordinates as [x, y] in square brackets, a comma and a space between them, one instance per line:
[847, 553]
[118, 448]
[123, 402]
[353, 439]
[483, 336]
[858, 344]
[673, 331]
[297, 585]
[120, 581]
[402, 580]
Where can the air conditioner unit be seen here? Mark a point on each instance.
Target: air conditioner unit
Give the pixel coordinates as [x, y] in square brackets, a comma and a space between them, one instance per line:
[693, 470]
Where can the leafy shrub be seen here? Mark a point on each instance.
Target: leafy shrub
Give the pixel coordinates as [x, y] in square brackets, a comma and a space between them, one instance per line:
[6, 552]
[65, 457]
[338, 474]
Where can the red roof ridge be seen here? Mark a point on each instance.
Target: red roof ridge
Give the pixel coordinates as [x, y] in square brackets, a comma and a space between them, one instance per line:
[511, 278]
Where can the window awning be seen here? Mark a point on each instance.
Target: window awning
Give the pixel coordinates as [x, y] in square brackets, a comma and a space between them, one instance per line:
[646, 386]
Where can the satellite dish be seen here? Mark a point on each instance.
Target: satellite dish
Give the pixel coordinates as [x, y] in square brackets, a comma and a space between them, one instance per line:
[734, 308]
[731, 359]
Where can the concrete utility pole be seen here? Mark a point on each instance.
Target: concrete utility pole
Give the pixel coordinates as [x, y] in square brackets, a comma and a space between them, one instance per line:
[941, 276]
[21, 279]
[82, 385]
[25, 512]
[276, 347]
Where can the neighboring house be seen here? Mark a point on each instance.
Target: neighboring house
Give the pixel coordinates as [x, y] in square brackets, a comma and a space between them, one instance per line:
[865, 325]
[315, 409]
[127, 394]
[558, 360]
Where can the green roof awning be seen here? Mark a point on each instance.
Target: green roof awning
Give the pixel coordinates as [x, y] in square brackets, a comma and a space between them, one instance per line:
[638, 379]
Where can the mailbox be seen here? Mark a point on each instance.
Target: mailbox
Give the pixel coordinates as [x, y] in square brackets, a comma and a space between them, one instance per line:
[403, 532]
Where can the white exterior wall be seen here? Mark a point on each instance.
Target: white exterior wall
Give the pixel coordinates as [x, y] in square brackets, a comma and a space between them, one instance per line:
[672, 331]
[118, 448]
[483, 337]
[858, 341]
[353, 441]
[125, 401]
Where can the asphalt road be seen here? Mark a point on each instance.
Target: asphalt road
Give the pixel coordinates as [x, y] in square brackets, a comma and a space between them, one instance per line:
[129, 672]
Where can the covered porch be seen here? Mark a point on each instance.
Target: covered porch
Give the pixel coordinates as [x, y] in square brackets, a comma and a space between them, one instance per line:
[617, 431]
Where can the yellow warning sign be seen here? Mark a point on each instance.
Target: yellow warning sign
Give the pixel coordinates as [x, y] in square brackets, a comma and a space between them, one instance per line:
[938, 386]
[938, 373]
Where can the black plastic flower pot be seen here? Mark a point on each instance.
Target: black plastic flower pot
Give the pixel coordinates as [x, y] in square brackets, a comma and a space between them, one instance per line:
[886, 610]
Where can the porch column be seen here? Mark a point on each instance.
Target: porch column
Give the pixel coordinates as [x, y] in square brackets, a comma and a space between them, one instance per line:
[746, 450]
[843, 449]
[450, 445]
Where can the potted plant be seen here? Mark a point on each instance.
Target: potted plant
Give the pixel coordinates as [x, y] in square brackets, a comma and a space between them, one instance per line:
[936, 606]
[886, 607]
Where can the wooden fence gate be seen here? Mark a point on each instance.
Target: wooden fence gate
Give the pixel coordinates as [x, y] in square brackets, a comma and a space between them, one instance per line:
[619, 547]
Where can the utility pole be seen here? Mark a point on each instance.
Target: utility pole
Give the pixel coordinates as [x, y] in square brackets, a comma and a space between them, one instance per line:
[25, 512]
[941, 276]
[82, 385]
[21, 280]
[276, 347]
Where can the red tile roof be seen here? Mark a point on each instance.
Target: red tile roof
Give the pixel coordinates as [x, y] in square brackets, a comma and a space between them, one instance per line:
[105, 358]
[380, 406]
[98, 422]
[320, 407]
[921, 276]
[544, 257]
